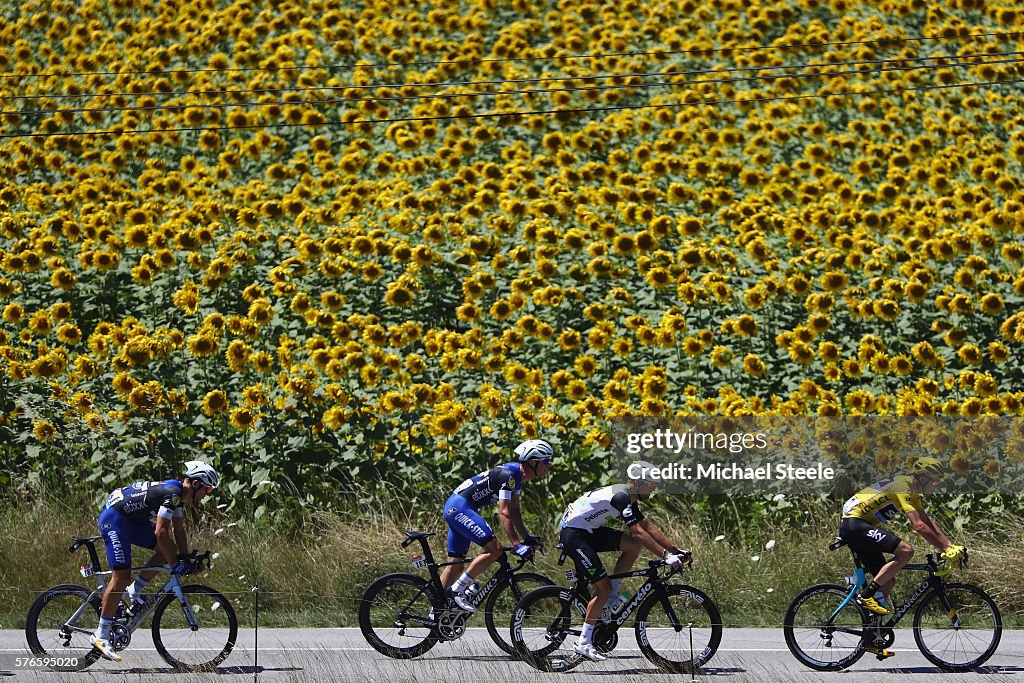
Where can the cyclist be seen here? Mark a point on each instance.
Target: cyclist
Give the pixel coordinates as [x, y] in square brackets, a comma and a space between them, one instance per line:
[501, 484]
[867, 510]
[145, 514]
[584, 535]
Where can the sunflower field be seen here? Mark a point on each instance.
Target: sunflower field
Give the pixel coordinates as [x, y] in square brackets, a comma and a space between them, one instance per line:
[328, 244]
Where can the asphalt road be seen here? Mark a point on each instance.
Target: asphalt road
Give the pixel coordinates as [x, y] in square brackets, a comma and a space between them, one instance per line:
[342, 655]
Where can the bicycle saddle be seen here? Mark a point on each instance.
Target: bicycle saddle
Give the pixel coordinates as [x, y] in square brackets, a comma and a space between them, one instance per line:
[85, 539]
[418, 534]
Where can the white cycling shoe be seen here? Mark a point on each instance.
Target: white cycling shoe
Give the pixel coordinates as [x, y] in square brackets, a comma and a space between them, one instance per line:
[105, 648]
[588, 651]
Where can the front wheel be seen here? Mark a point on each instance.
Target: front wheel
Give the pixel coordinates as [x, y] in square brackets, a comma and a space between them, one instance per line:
[395, 615]
[679, 630]
[545, 626]
[957, 628]
[502, 602]
[824, 627]
[59, 625]
[195, 635]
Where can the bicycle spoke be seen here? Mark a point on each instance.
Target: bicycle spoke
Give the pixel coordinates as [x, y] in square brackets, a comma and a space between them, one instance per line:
[682, 635]
[965, 642]
[58, 639]
[819, 639]
[203, 647]
[396, 616]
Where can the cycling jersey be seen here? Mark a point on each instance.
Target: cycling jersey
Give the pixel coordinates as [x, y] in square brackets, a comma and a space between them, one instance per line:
[596, 508]
[487, 488]
[147, 500]
[880, 502]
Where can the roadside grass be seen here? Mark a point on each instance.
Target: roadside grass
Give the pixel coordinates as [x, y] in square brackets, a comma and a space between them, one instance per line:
[314, 574]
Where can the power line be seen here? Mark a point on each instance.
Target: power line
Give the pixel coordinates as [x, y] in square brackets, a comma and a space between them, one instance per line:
[880, 42]
[516, 114]
[498, 82]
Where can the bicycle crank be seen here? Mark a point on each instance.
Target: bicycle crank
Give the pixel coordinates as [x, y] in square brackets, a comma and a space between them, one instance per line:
[606, 637]
[120, 637]
[451, 625]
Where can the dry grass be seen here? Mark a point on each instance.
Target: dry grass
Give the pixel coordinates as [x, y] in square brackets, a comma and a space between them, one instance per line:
[314, 576]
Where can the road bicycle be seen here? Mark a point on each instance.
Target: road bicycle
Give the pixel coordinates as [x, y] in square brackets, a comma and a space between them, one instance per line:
[957, 626]
[194, 627]
[403, 615]
[677, 626]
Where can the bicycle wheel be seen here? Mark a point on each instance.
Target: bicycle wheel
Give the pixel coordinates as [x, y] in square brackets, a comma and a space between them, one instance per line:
[544, 627]
[685, 641]
[48, 628]
[959, 628]
[394, 615]
[501, 604]
[823, 630]
[205, 647]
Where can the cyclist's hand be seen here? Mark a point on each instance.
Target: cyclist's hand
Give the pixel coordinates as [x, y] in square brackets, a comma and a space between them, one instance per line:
[536, 541]
[522, 550]
[181, 568]
[674, 561]
[953, 556]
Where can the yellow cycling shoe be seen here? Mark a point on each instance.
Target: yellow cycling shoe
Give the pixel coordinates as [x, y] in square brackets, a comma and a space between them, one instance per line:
[873, 605]
[105, 648]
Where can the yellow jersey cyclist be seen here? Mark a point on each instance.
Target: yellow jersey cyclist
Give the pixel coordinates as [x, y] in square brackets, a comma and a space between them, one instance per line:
[145, 514]
[501, 485]
[584, 535]
[867, 510]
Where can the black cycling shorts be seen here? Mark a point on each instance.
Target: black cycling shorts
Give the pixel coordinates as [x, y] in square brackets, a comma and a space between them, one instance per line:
[583, 546]
[869, 541]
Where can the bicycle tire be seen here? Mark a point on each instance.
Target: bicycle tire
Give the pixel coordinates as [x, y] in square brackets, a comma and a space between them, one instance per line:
[48, 645]
[182, 656]
[497, 618]
[700, 609]
[368, 614]
[835, 593]
[951, 589]
[551, 608]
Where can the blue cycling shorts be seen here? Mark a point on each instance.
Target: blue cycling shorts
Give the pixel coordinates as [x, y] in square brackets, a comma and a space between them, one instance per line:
[465, 526]
[120, 534]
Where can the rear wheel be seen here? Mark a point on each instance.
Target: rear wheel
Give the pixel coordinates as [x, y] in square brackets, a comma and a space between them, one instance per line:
[823, 629]
[501, 604]
[680, 630]
[52, 634]
[545, 626]
[959, 628]
[395, 618]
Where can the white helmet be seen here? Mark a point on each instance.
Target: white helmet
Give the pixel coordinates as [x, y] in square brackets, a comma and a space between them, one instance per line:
[534, 449]
[645, 472]
[197, 469]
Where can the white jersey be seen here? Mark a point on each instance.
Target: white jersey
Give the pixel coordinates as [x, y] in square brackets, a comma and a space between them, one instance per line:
[596, 508]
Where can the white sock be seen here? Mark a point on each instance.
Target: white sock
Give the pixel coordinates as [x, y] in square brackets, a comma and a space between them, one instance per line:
[587, 634]
[103, 632]
[463, 583]
[135, 590]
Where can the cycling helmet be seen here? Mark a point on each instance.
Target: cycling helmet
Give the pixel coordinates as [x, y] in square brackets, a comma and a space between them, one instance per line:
[929, 467]
[197, 469]
[641, 470]
[534, 449]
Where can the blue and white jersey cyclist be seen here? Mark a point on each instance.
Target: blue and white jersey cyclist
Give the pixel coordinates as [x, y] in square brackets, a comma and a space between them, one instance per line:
[145, 514]
[501, 485]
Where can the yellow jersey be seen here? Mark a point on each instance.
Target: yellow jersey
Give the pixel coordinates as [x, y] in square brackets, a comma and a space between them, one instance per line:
[879, 503]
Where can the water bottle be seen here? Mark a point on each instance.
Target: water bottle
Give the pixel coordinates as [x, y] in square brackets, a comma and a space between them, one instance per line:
[621, 601]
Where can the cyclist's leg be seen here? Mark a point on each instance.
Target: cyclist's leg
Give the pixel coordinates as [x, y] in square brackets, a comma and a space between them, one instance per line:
[466, 524]
[630, 550]
[886, 576]
[117, 534]
[871, 542]
[145, 537]
[579, 545]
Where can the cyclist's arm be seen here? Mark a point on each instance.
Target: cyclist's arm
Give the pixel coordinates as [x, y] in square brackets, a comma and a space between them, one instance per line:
[511, 519]
[661, 543]
[164, 542]
[928, 529]
[180, 539]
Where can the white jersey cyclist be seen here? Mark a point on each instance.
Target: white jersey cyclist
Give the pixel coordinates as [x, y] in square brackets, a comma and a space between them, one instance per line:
[594, 509]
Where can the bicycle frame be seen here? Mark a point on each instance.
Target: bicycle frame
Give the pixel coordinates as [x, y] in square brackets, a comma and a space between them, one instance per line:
[653, 583]
[173, 585]
[504, 571]
[931, 583]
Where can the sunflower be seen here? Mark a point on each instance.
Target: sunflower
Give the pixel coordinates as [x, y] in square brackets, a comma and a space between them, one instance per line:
[44, 431]
[215, 403]
[753, 365]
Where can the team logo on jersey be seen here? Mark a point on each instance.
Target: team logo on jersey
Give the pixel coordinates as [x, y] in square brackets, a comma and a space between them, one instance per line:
[175, 500]
[451, 511]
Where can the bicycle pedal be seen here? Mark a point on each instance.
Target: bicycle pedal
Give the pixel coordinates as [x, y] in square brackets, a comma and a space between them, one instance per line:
[881, 653]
